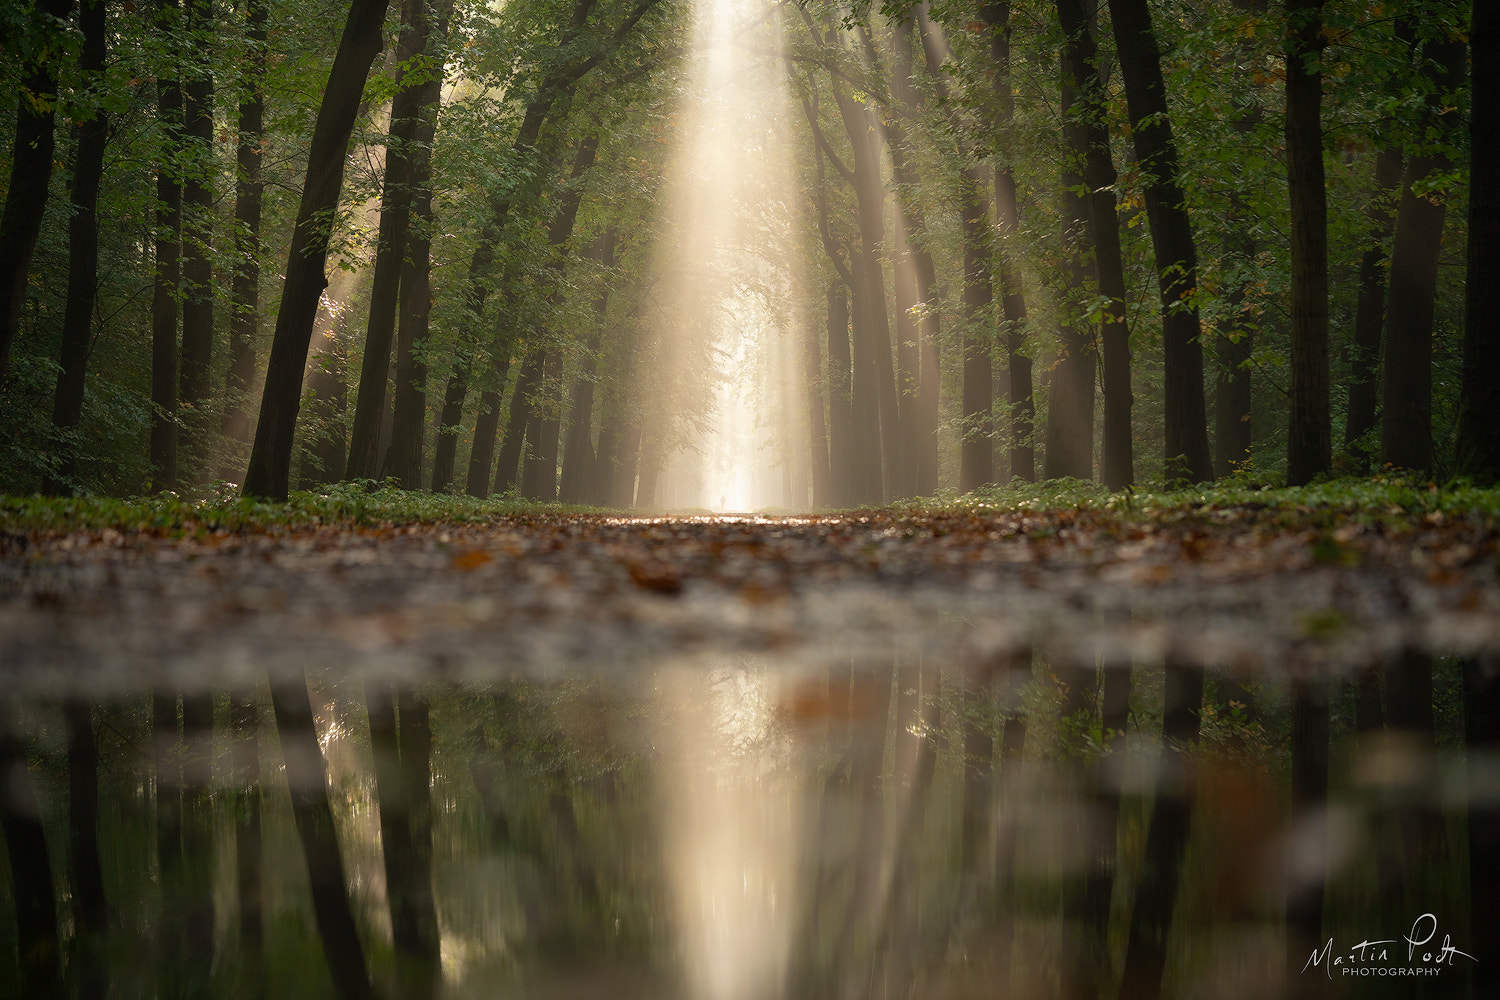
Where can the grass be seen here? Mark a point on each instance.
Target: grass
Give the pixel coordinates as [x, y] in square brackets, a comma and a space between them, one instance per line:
[365, 503]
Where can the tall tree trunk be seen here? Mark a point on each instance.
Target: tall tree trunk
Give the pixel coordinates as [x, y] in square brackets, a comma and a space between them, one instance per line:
[30, 872]
[1369, 314]
[167, 266]
[922, 451]
[539, 474]
[527, 382]
[817, 423]
[307, 780]
[1309, 449]
[1479, 399]
[391, 251]
[1070, 407]
[1166, 838]
[83, 250]
[1117, 463]
[195, 371]
[1019, 397]
[244, 310]
[976, 450]
[244, 723]
[976, 453]
[843, 457]
[445, 441]
[877, 410]
[90, 913]
[271, 457]
[404, 458]
[1406, 420]
[1186, 446]
[408, 884]
[30, 171]
[579, 457]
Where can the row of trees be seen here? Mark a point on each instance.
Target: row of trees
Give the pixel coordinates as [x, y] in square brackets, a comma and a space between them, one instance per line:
[968, 285]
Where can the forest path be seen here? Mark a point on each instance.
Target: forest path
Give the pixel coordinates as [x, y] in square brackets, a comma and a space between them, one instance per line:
[1243, 588]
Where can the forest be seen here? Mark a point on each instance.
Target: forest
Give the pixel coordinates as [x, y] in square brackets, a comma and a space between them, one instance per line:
[539, 248]
[750, 499]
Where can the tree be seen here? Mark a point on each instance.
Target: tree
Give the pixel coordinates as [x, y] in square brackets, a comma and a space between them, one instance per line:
[1406, 418]
[271, 456]
[89, 137]
[195, 366]
[391, 249]
[1186, 454]
[1309, 451]
[30, 163]
[1478, 435]
[167, 273]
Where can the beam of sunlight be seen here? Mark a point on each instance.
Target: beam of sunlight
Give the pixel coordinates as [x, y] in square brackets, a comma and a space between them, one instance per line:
[720, 409]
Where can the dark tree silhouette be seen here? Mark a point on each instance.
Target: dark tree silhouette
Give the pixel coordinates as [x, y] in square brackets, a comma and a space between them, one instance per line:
[271, 456]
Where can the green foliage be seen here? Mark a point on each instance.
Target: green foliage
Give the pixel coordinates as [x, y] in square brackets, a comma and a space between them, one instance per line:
[359, 503]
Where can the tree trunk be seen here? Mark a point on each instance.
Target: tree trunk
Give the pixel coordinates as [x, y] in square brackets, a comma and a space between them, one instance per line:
[391, 251]
[83, 253]
[1406, 421]
[579, 458]
[1479, 400]
[527, 381]
[404, 458]
[244, 311]
[271, 457]
[842, 456]
[976, 453]
[539, 476]
[30, 873]
[1309, 450]
[1117, 463]
[307, 780]
[1019, 397]
[1166, 838]
[445, 441]
[244, 722]
[1070, 407]
[1369, 315]
[167, 266]
[90, 912]
[1186, 445]
[877, 417]
[30, 173]
[195, 371]
[817, 423]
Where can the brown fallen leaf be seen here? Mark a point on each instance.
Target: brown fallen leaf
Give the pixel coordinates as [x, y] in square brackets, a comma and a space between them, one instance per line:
[470, 560]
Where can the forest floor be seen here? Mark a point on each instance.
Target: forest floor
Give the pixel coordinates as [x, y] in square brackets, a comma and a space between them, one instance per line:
[109, 593]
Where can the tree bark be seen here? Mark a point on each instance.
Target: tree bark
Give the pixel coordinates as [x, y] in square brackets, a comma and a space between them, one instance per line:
[391, 251]
[1479, 400]
[271, 456]
[195, 371]
[167, 264]
[404, 457]
[307, 780]
[244, 310]
[1309, 448]
[1117, 463]
[527, 381]
[30, 173]
[1019, 394]
[445, 441]
[1406, 420]
[579, 457]
[1186, 445]
[1070, 407]
[1369, 314]
[83, 251]
[30, 873]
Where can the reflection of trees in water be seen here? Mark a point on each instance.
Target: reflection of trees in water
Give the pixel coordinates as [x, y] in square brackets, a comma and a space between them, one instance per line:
[1072, 830]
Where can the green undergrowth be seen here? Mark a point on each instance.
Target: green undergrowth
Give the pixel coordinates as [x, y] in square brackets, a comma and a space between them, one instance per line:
[1379, 498]
[362, 503]
[365, 503]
